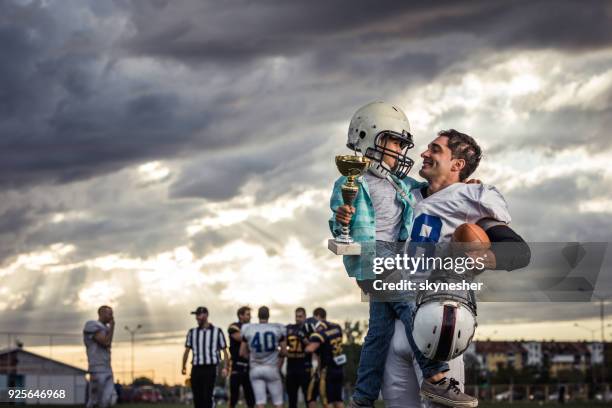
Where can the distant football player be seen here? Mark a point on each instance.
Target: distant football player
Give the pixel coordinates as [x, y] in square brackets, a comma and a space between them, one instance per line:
[441, 206]
[239, 376]
[326, 342]
[265, 345]
[298, 362]
[98, 337]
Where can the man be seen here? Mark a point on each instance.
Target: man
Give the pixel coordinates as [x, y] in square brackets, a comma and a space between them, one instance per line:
[441, 206]
[326, 341]
[265, 345]
[298, 362]
[206, 343]
[98, 336]
[240, 366]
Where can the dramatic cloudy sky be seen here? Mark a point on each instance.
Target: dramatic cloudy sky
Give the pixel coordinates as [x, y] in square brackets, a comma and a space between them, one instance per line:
[159, 155]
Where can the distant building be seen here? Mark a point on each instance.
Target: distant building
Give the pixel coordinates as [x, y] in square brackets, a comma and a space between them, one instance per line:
[558, 356]
[564, 355]
[22, 369]
[494, 355]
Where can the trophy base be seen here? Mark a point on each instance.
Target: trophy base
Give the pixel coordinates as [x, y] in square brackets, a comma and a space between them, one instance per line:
[338, 248]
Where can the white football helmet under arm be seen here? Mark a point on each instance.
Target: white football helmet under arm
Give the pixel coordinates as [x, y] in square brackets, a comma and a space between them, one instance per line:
[443, 328]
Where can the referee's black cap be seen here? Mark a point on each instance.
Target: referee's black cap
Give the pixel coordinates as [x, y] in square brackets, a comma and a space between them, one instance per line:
[200, 310]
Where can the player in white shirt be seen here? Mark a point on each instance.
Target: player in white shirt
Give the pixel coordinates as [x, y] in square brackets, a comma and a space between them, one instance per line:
[265, 345]
[440, 208]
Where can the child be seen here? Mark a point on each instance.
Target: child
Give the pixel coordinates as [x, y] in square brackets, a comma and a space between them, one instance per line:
[381, 217]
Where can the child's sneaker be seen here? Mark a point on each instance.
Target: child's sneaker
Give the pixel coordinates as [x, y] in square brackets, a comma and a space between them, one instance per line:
[447, 393]
[360, 404]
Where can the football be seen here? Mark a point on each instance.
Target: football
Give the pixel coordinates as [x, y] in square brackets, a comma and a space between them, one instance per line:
[474, 237]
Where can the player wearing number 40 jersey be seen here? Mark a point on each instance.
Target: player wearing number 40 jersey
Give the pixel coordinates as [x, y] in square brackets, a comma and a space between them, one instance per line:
[326, 341]
[265, 345]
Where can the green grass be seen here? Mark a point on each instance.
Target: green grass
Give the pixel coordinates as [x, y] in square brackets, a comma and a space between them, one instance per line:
[581, 404]
[379, 404]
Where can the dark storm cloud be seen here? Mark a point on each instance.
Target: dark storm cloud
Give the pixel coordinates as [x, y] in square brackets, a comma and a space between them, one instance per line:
[135, 229]
[63, 118]
[17, 222]
[193, 32]
[553, 132]
[287, 160]
[549, 211]
[67, 117]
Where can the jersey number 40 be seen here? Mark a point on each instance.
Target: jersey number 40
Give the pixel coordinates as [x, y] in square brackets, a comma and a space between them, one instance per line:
[268, 344]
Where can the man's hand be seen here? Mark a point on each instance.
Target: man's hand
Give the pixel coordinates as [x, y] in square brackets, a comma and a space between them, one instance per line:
[344, 213]
[184, 371]
[224, 372]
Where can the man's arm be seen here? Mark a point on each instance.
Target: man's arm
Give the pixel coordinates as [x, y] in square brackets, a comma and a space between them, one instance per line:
[234, 332]
[312, 347]
[105, 337]
[185, 357]
[244, 349]
[282, 352]
[315, 342]
[227, 363]
[509, 251]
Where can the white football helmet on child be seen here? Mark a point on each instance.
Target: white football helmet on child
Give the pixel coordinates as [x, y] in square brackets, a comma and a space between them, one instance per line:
[367, 131]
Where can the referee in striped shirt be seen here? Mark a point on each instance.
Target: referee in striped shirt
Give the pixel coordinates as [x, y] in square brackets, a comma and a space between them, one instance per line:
[206, 342]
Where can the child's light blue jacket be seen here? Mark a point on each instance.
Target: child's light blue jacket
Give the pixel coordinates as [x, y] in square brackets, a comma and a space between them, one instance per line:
[363, 223]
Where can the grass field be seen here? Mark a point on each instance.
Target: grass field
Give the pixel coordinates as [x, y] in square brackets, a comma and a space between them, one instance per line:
[483, 404]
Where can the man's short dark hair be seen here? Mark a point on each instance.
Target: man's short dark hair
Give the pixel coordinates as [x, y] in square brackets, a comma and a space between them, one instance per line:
[263, 313]
[464, 147]
[300, 310]
[241, 311]
[103, 307]
[320, 312]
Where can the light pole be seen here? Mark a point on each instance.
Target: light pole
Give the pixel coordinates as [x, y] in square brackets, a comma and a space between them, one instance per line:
[132, 334]
[602, 300]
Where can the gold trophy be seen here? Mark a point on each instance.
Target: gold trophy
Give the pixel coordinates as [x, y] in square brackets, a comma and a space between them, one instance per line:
[351, 167]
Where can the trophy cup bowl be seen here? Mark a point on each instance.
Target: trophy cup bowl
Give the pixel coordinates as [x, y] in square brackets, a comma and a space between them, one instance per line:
[351, 167]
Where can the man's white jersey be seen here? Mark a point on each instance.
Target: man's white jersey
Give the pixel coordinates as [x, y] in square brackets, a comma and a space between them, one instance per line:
[436, 217]
[263, 340]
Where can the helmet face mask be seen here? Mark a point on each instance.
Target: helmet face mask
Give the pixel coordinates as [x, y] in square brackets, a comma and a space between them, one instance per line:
[403, 163]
